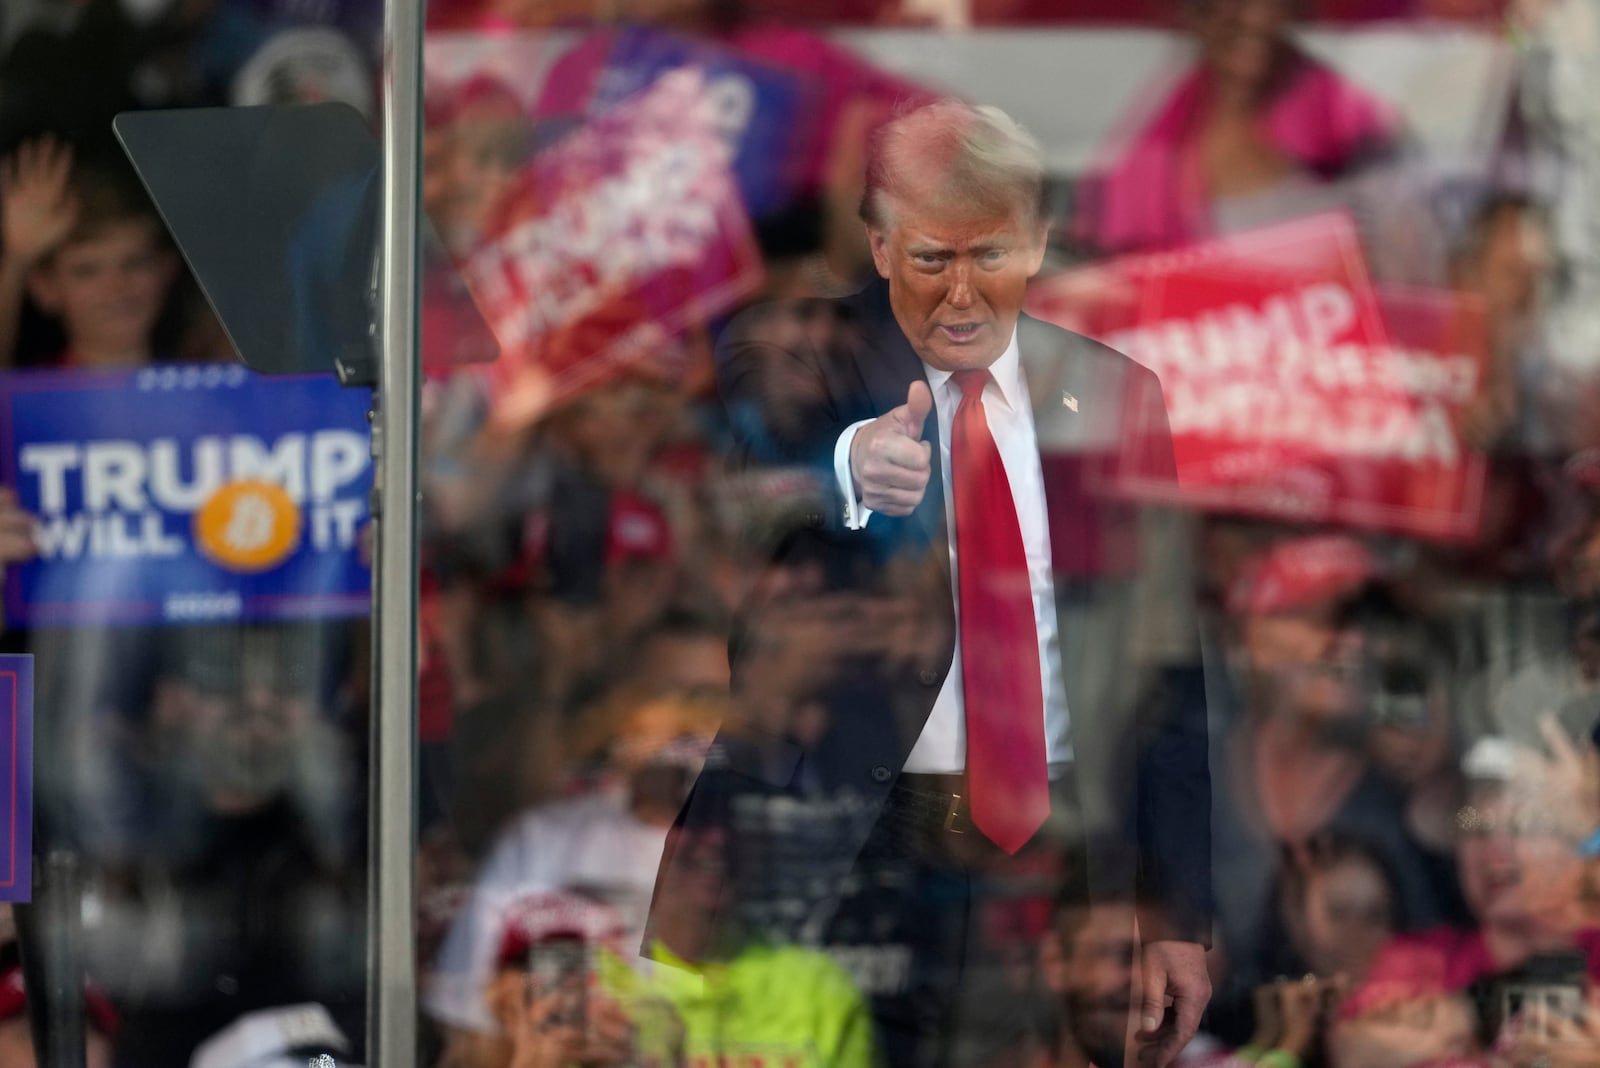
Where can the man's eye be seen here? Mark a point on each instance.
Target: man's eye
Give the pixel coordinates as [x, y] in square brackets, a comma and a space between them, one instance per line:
[994, 255]
[927, 259]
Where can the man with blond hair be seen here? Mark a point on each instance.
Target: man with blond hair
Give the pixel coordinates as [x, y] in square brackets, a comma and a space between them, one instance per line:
[1006, 654]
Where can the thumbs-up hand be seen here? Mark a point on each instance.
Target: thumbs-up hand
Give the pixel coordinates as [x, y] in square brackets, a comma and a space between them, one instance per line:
[889, 461]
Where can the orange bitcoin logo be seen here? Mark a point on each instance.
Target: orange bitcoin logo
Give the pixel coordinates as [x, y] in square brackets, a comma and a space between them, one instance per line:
[248, 526]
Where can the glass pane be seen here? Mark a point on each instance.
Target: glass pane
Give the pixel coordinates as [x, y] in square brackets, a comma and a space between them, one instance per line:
[796, 697]
[994, 522]
[189, 537]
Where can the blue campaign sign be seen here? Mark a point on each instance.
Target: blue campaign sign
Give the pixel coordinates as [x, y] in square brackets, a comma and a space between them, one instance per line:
[762, 111]
[183, 494]
[16, 778]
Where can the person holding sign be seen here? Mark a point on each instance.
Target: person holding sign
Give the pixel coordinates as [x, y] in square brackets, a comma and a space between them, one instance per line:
[963, 455]
[16, 530]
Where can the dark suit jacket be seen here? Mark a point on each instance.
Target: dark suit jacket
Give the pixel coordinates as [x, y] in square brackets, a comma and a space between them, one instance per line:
[793, 376]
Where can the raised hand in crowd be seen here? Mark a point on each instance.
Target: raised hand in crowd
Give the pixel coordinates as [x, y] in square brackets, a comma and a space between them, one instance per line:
[540, 1040]
[1303, 1009]
[16, 530]
[37, 211]
[1414, 1031]
[1267, 1003]
[1563, 783]
[1564, 1042]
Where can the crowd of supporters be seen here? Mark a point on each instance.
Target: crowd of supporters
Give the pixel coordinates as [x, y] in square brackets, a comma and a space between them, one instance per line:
[1405, 732]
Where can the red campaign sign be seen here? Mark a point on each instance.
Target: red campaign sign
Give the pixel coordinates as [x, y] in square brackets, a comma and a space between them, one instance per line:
[610, 244]
[1292, 389]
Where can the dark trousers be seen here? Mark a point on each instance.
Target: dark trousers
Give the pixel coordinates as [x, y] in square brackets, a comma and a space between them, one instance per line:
[967, 916]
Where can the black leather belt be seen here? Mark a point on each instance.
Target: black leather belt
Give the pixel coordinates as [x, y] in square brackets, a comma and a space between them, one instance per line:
[942, 798]
[939, 799]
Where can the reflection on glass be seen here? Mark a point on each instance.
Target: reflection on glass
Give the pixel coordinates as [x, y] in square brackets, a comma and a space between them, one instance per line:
[716, 603]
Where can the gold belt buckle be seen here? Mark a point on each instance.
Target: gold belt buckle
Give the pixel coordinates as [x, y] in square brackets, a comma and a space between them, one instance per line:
[950, 817]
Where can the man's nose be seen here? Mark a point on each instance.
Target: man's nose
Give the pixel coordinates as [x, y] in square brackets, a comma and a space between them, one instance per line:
[960, 294]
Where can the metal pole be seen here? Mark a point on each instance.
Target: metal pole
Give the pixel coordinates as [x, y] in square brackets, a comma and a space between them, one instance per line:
[50, 939]
[391, 895]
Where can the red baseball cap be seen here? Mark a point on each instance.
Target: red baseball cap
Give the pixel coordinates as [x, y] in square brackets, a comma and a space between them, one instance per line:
[1301, 573]
[14, 1002]
[557, 914]
[636, 530]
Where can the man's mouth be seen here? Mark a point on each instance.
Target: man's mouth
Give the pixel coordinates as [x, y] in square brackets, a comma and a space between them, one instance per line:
[961, 331]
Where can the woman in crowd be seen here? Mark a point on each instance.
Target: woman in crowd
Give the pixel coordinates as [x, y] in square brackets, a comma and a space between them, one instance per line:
[1522, 832]
[1257, 131]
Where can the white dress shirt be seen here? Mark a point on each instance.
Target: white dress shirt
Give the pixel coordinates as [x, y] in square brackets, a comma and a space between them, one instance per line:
[942, 746]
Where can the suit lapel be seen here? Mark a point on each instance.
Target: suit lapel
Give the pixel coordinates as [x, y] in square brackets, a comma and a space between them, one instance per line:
[1054, 386]
[1078, 401]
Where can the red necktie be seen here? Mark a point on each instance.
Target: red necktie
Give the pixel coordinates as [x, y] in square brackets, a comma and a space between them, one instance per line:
[1006, 773]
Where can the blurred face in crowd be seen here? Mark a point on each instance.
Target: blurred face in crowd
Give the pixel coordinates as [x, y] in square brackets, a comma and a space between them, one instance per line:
[1092, 971]
[1516, 867]
[614, 430]
[107, 290]
[472, 164]
[1514, 257]
[637, 591]
[956, 280]
[692, 891]
[1347, 915]
[1242, 40]
[684, 661]
[247, 738]
[1313, 656]
[16, 1046]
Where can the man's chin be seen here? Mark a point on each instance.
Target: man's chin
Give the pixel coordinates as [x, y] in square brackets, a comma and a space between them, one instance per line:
[1102, 1034]
[972, 356]
[1105, 1054]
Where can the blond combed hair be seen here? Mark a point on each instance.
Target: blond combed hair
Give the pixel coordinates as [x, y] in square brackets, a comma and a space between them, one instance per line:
[970, 158]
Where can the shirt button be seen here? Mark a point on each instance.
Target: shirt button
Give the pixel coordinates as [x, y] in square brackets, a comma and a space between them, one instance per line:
[928, 677]
[880, 773]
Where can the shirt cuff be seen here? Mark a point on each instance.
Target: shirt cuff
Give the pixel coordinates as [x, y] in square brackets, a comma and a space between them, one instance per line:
[856, 514]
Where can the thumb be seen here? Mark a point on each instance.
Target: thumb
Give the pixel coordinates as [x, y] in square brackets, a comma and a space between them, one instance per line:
[1155, 998]
[919, 402]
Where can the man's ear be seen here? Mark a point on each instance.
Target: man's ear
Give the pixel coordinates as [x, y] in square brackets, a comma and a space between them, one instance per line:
[879, 242]
[1041, 238]
[45, 289]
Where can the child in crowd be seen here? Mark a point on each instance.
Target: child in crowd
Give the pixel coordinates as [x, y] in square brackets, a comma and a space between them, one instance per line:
[86, 245]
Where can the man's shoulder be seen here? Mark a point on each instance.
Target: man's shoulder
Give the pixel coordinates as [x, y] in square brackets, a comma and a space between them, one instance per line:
[1070, 344]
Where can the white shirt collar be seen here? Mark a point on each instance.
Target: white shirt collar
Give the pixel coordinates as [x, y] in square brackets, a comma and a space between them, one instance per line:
[1006, 371]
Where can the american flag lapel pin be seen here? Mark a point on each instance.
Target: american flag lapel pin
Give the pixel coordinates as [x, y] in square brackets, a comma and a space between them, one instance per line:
[1069, 402]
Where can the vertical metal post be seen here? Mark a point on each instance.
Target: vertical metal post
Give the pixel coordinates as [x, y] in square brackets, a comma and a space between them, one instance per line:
[391, 895]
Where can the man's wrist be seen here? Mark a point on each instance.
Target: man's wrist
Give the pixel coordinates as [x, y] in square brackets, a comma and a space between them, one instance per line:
[855, 513]
[1295, 1042]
